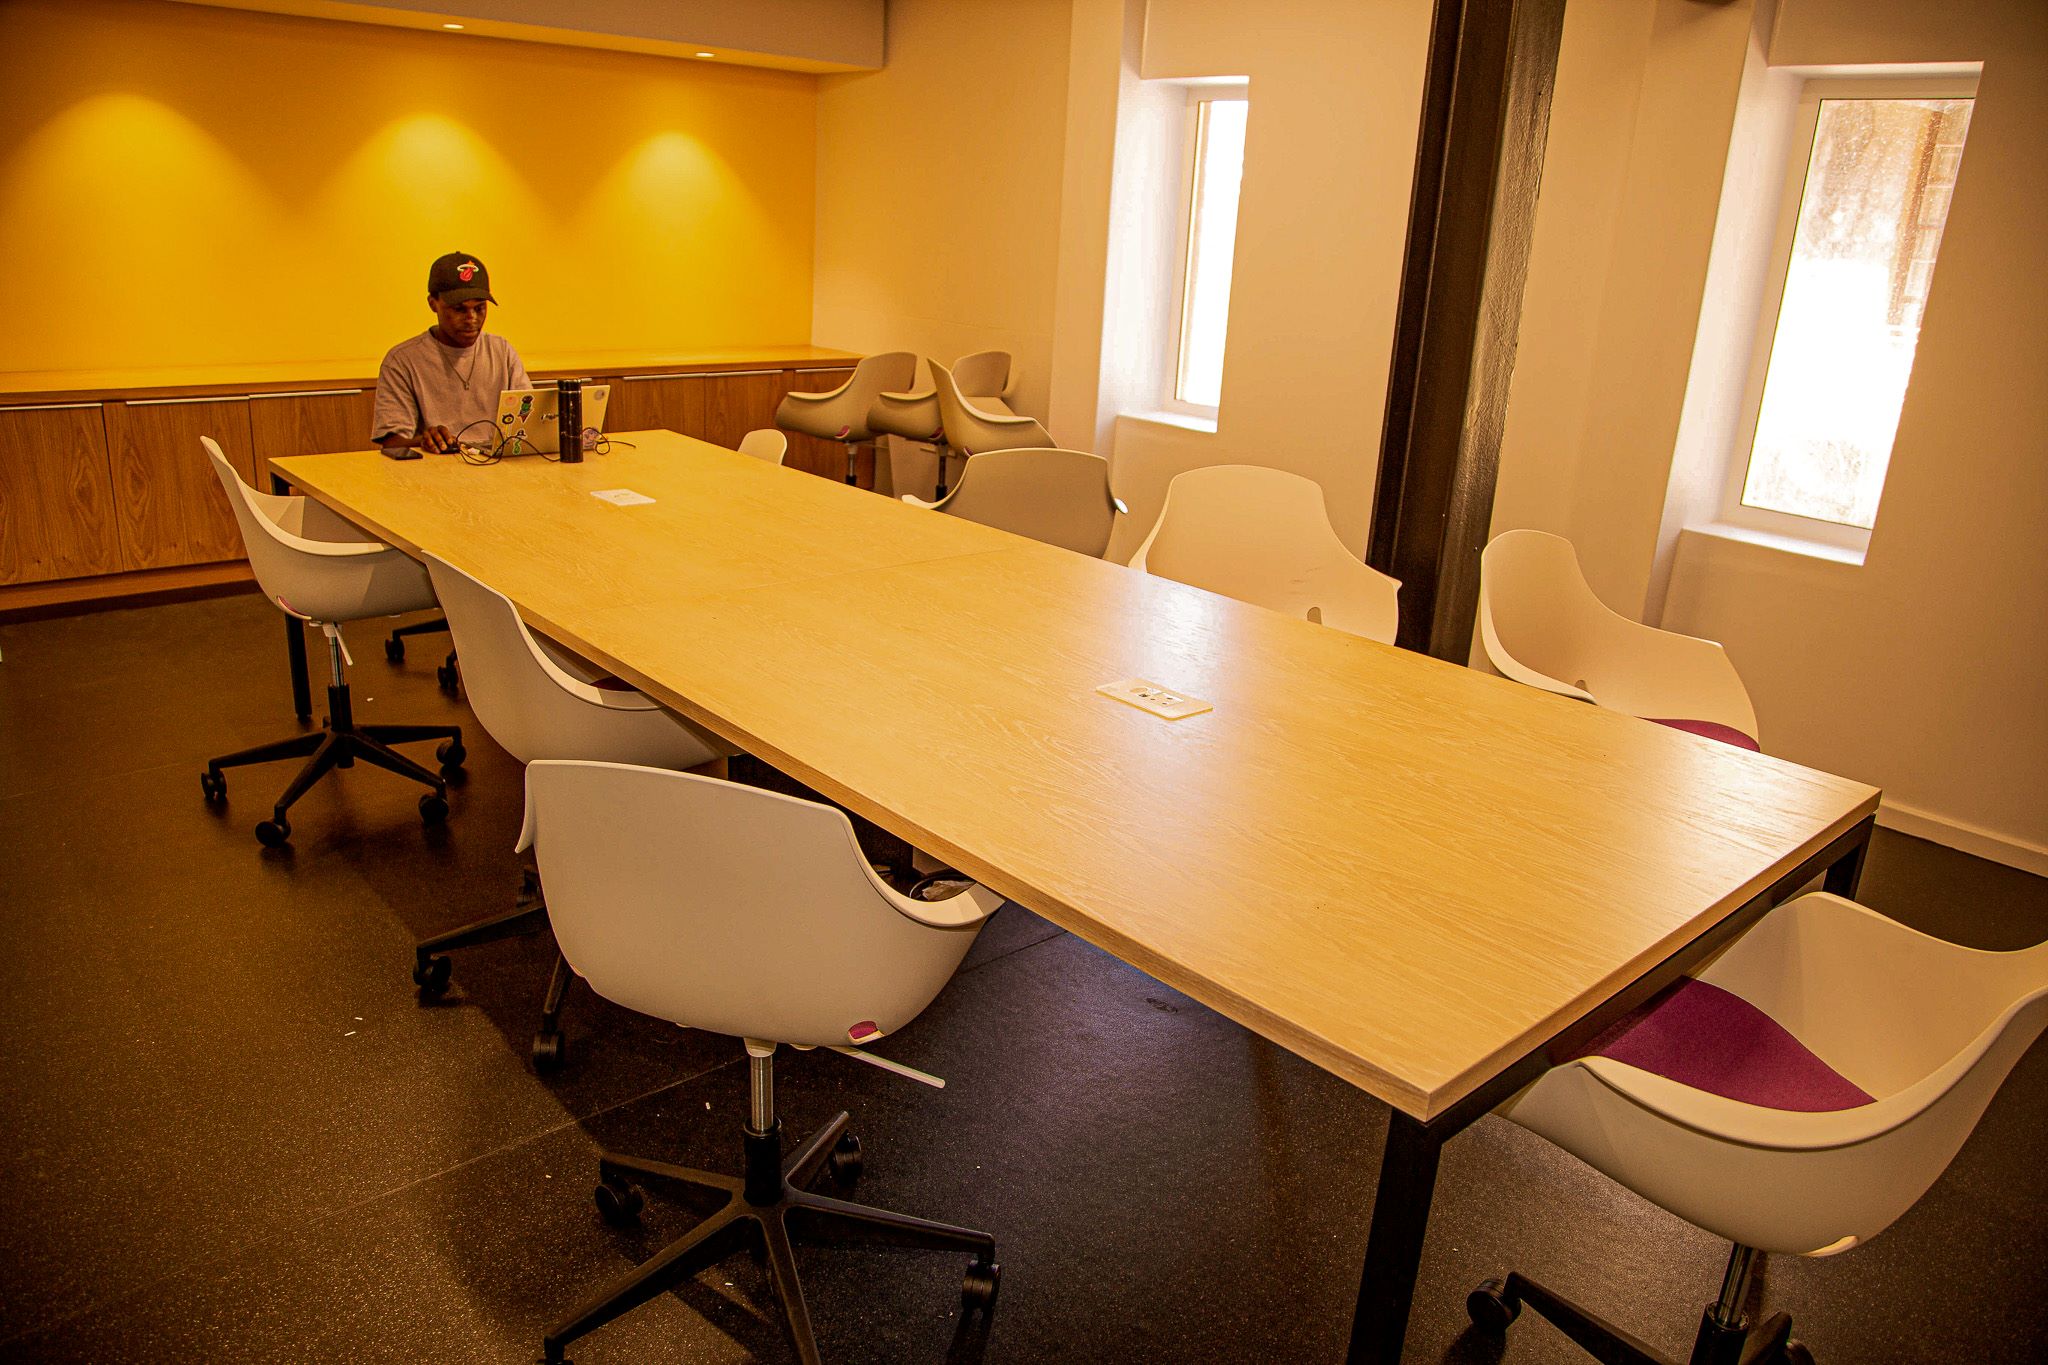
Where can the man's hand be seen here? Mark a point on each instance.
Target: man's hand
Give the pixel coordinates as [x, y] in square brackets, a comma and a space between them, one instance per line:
[437, 440]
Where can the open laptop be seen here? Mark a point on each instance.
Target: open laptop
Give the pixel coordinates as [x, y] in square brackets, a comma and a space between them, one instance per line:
[528, 418]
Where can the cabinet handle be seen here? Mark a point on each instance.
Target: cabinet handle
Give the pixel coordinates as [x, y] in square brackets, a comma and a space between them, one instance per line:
[306, 393]
[730, 374]
[170, 402]
[47, 407]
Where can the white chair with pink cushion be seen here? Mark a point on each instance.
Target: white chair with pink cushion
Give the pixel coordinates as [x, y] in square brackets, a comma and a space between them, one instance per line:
[1796, 1097]
[1541, 624]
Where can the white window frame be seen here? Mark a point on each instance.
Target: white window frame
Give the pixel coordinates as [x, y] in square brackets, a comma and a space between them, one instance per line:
[1798, 160]
[1199, 93]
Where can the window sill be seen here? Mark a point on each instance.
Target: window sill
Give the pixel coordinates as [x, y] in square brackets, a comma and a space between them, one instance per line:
[1179, 420]
[1793, 545]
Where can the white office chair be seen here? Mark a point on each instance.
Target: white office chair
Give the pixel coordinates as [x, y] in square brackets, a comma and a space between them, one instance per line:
[741, 911]
[1797, 1097]
[1263, 536]
[1060, 497]
[765, 444]
[538, 704]
[1541, 624]
[978, 423]
[983, 381]
[322, 569]
[842, 414]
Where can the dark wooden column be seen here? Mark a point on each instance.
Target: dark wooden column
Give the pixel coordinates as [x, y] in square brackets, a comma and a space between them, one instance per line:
[1478, 162]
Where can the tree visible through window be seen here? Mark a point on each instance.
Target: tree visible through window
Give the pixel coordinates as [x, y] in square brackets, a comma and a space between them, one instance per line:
[1870, 222]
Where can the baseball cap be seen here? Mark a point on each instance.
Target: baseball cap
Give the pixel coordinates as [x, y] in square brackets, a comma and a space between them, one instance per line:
[459, 277]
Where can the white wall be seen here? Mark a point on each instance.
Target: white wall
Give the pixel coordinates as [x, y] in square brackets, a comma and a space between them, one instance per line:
[1925, 670]
[939, 182]
[1336, 92]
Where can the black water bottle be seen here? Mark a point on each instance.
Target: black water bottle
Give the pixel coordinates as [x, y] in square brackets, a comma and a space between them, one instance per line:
[569, 419]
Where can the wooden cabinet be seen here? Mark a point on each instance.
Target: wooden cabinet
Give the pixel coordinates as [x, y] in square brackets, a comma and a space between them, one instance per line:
[56, 494]
[739, 402]
[312, 422]
[809, 453]
[169, 507]
[656, 403]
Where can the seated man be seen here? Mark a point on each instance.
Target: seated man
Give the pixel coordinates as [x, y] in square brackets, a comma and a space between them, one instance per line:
[441, 387]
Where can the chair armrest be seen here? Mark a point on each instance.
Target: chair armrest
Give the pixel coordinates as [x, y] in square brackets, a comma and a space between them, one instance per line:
[916, 501]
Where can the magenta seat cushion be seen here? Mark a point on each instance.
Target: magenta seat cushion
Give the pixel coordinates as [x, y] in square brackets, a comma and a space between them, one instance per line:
[1702, 1036]
[1712, 729]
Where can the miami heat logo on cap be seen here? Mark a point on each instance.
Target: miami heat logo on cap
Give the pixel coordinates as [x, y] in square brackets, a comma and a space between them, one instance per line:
[466, 271]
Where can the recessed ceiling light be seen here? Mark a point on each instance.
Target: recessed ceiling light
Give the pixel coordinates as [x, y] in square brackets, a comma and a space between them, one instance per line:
[451, 26]
[707, 54]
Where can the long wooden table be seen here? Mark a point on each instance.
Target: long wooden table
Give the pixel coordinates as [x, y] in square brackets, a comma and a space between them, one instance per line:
[1424, 879]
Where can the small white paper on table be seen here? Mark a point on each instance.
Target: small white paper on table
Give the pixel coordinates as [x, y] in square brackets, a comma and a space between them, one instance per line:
[621, 497]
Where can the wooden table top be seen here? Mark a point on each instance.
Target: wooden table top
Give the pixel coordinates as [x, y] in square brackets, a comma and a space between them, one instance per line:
[1408, 872]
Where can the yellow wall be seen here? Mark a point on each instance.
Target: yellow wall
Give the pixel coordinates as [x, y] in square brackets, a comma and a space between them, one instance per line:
[184, 186]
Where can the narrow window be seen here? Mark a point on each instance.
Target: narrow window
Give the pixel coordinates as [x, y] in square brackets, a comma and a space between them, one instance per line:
[1211, 242]
[1872, 207]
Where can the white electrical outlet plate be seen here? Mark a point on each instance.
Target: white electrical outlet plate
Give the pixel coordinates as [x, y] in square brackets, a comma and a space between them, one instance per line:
[1150, 696]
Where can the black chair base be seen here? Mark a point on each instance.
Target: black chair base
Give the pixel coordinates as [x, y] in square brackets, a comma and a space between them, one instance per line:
[394, 650]
[767, 1207]
[1496, 1303]
[339, 745]
[431, 970]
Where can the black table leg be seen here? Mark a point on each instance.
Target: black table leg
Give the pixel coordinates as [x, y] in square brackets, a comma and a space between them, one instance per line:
[295, 641]
[1393, 1250]
[1845, 874]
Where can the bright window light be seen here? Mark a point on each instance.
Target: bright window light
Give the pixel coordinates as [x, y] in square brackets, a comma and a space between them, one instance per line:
[1211, 245]
[1871, 215]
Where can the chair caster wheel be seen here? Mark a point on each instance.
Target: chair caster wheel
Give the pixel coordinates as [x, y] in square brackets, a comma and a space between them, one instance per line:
[431, 974]
[978, 1287]
[451, 753]
[447, 676]
[1794, 1352]
[618, 1203]
[215, 785]
[845, 1162]
[1490, 1308]
[550, 1050]
[274, 833]
[433, 809]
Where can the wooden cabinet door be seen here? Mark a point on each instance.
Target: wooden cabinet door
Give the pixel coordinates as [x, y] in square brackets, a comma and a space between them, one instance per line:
[315, 423]
[656, 403]
[740, 402]
[812, 454]
[56, 494]
[168, 504]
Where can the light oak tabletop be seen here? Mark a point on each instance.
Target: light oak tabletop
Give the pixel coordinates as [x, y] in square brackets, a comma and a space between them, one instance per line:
[1408, 872]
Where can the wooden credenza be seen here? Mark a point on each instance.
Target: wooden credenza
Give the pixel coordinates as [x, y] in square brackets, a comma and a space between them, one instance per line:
[105, 492]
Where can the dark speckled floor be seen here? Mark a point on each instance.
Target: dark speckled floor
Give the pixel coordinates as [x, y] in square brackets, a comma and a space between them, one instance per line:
[232, 1135]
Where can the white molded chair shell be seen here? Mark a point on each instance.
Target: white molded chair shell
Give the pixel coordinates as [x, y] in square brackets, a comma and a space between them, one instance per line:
[913, 416]
[842, 413]
[982, 378]
[1927, 1028]
[985, 374]
[312, 562]
[728, 908]
[766, 443]
[975, 424]
[535, 708]
[1541, 624]
[1264, 536]
[1060, 497]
